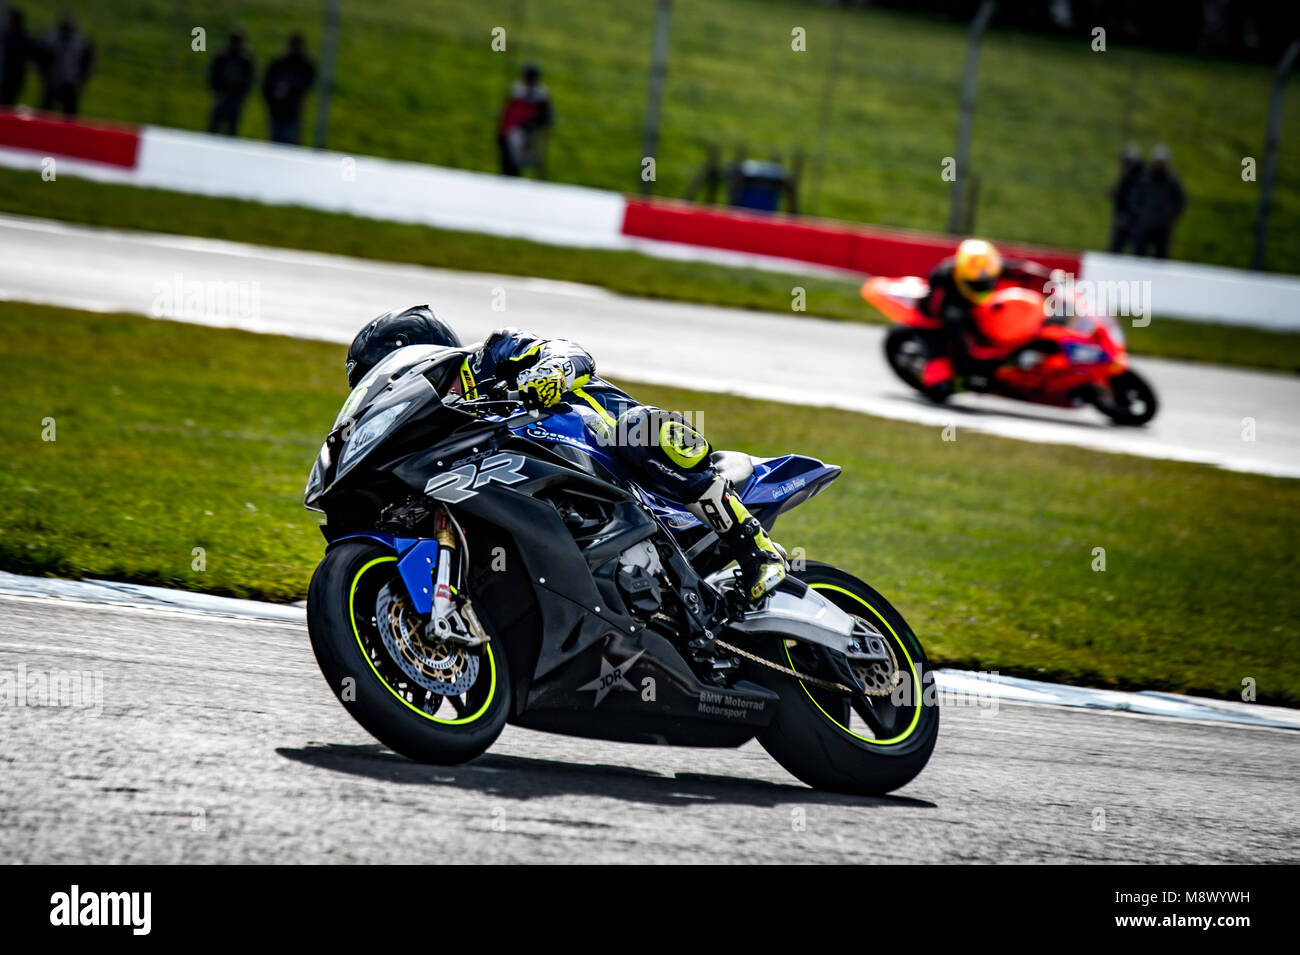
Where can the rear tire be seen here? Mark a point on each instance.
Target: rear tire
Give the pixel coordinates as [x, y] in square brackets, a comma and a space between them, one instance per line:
[1132, 401]
[344, 637]
[811, 734]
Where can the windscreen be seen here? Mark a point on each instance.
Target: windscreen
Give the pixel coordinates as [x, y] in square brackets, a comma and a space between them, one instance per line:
[396, 362]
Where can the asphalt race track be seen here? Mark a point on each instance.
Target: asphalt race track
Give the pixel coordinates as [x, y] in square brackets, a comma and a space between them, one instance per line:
[796, 359]
[217, 741]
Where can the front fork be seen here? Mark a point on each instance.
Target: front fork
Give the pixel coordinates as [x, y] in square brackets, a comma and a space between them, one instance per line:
[452, 616]
[443, 598]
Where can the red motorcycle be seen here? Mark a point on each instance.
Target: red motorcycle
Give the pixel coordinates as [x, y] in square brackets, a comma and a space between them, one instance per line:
[1075, 359]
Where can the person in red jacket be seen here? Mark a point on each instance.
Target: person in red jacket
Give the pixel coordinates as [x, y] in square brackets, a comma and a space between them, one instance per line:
[526, 113]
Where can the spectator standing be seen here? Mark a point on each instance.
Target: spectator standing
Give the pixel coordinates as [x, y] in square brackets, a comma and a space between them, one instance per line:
[1158, 201]
[17, 50]
[1121, 195]
[69, 57]
[288, 80]
[230, 78]
[526, 115]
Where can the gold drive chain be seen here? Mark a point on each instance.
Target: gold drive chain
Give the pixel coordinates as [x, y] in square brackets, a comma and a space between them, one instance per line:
[816, 681]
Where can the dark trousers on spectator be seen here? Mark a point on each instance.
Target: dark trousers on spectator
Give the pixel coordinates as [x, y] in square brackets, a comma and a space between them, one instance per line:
[286, 131]
[1121, 237]
[508, 165]
[63, 96]
[225, 116]
[1153, 241]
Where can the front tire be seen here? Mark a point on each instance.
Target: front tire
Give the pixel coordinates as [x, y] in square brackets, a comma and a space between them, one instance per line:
[814, 735]
[345, 636]
[908, 351]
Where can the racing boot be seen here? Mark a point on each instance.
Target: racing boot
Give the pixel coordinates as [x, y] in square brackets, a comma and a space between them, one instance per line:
[762, 565]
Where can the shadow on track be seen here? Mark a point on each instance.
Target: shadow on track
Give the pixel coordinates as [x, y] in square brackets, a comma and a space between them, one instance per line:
[521, 777]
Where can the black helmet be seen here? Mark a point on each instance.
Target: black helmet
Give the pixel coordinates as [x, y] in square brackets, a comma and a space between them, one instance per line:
[416, 325]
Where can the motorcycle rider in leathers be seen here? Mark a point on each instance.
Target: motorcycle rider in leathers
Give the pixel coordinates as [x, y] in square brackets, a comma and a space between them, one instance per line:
[960, 284]
[671, 459]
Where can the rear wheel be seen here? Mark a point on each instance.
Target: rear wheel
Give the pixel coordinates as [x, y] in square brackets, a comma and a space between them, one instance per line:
[864, 743]
[432, 702]
[1131, 401]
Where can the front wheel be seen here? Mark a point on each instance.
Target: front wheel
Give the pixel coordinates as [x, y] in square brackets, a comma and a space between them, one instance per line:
[908, 351]
[430, 701]
[1132, 401]
[864, 743]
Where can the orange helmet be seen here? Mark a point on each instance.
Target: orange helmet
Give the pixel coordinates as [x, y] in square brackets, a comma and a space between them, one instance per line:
[977, 268]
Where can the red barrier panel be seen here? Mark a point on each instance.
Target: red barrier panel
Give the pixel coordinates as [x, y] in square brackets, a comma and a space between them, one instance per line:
[51, 136]
[867, 249]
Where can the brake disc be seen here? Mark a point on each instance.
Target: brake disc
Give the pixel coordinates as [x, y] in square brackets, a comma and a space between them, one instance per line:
[440, 666]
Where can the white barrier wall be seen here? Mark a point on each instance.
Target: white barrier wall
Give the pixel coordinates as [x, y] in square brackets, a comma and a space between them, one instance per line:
[1204, 293]
[379, 188]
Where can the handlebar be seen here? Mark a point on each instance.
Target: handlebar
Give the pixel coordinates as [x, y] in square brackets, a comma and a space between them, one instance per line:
[512, 398]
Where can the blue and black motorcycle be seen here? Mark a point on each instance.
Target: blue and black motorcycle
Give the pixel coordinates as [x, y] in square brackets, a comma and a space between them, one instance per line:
[491, 564]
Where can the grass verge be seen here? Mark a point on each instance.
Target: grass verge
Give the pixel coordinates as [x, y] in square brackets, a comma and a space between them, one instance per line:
[171, 437]
[629, 273]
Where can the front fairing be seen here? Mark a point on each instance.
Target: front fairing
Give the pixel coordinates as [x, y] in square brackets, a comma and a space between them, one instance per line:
[401, 390]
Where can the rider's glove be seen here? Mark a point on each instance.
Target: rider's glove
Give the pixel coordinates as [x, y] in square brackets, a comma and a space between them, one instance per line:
[545, 382]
